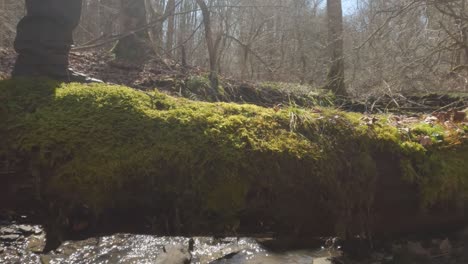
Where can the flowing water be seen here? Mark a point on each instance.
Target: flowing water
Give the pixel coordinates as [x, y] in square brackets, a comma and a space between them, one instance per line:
[23, 244]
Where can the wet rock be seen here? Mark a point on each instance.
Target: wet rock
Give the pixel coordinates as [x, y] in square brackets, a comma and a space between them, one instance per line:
[225, 257]
[25, 229]
[174, 255]
[179, 254]
[1, 250]
[9, 238]
[322, 261]
[36, 244]
[445, 246]
[38, 230]
[415, 248]
[8, 231]
[46, 259]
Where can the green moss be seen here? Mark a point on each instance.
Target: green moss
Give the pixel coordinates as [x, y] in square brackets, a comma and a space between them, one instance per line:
[198, 88]
[197, 82]
[300, 93]
[291, 87]
[446, 176]
[435, 132]
[114, 147]
[441, 173]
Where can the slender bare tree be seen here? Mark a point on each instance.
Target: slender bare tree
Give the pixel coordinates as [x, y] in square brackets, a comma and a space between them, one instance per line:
[171, 6]
[336, 75]
[212, 45]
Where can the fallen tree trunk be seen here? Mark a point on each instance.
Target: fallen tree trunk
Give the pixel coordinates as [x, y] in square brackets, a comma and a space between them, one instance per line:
[221, 167]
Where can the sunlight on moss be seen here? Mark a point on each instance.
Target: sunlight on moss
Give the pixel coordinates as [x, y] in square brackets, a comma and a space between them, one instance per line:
[112, 146]
[435, 132]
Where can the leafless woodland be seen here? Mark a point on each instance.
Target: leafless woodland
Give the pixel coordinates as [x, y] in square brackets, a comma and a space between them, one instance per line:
[388, 46]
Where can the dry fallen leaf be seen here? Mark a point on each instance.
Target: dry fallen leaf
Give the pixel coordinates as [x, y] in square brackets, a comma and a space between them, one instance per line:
[442, 116]
[405, 129]
[277, 107]
[459, 116]
[431, 120]
[425, 140]
[370, 120]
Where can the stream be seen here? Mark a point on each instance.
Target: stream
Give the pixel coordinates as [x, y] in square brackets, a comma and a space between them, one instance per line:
[23, 243]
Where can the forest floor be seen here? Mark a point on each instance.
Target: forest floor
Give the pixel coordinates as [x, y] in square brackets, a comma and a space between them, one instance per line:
[191, 82]
[448, 110]
[172, 78]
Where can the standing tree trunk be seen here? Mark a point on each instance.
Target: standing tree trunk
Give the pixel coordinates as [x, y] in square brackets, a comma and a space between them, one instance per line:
[245, 61]
[335, 78]
[182, 35]
[170, 27]
[464, 30]
[133, 46]
[152, 32]
[212, 47]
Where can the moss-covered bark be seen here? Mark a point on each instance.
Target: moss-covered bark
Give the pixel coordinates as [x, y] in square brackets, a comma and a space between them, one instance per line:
[216, 164]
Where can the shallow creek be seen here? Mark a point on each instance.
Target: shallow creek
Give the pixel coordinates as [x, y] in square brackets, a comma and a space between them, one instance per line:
[24, 243]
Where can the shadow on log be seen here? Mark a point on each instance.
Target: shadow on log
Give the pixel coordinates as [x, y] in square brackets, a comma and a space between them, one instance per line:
[173, 166]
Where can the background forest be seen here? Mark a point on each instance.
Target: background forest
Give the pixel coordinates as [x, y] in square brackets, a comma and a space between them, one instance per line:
[391, 46]
[277, 154]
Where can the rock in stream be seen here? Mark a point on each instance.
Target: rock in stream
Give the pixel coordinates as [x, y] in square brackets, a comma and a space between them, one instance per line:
[22, 243]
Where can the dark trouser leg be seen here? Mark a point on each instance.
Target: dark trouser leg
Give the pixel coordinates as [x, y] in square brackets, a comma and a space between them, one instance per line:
[44, 37]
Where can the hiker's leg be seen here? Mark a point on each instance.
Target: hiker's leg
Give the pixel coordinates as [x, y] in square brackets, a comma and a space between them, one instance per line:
[44, 37]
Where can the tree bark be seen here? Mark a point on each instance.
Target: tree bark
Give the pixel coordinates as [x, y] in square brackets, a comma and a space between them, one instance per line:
[150, 14]
[212, 46]
[182, 42]
[170, 27]
[335, 78]
[132, 47]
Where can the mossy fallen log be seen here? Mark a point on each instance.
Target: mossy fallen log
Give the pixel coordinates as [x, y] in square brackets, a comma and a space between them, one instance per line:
[223, 167]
